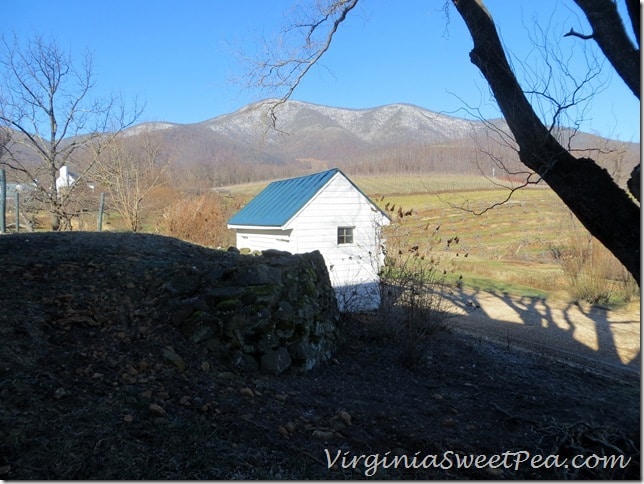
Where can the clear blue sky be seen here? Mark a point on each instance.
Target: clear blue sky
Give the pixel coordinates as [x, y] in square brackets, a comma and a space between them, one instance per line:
[180, 57]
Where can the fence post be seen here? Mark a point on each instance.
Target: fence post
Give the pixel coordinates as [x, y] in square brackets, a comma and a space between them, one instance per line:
[3, 200]
[17, 211]
[100, 212]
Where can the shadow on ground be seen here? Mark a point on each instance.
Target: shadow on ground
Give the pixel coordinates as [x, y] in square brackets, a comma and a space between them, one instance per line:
[575, 333]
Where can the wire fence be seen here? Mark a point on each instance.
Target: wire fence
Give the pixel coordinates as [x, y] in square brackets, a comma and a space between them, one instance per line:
[10, 206]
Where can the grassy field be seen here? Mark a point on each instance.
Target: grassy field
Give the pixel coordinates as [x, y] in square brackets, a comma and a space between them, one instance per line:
[513, 247]
[401, 184]
[508, 248]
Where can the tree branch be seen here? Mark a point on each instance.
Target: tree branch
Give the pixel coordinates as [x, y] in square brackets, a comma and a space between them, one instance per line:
[346, 7]
[610, 34]
[287, 70]
[577, 34]
[586, 188]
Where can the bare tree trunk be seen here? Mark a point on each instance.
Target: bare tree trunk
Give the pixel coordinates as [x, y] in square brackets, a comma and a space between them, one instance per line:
[40, 82]
[609, 33]
[587, 189]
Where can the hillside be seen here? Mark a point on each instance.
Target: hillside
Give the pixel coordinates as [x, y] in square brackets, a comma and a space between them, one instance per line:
[397, 138]
[246, 145]
[91, 387]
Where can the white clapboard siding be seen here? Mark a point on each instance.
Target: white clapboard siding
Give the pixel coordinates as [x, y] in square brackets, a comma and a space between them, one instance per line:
[353, 268]
[339, 204]
[256, 239]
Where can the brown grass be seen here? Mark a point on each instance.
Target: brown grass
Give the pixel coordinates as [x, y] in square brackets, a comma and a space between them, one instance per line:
[593, 274]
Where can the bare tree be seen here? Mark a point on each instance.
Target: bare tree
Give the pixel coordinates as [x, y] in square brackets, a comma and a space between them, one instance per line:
[46, 101]
[130, 169]
[286, 61]
[5, 138]
[605, 209]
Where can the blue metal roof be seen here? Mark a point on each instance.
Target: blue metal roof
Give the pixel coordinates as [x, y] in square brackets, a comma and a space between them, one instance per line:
[281, 200]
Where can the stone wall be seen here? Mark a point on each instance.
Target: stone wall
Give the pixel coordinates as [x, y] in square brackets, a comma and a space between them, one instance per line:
[123, 291]
[271, 312]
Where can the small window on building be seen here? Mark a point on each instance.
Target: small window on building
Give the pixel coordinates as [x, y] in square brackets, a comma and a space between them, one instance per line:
[345, 235]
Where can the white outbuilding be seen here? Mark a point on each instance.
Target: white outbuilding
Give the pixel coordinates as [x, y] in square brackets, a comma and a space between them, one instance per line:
[326, 212]
[65, 178]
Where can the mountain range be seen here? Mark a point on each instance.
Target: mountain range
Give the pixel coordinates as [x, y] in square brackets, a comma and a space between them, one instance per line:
[272, 139]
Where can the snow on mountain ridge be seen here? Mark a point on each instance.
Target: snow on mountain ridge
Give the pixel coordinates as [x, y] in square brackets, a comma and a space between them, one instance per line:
[150, 126]
[372, 125]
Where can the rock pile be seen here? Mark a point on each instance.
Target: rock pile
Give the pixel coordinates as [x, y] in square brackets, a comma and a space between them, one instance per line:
[266, 313]
[269, 312]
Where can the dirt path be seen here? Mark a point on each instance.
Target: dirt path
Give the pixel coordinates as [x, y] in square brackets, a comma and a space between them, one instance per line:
[569, 332]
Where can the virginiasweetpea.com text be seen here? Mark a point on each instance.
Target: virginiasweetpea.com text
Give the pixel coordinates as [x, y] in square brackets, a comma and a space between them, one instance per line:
[370, 464]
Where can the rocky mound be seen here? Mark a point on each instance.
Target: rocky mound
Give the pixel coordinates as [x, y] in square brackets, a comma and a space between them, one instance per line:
[265, 313]
[111, 367]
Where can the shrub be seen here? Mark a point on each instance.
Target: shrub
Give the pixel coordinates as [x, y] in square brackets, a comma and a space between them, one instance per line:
[412, 283]
[593, 273]
[200, 219]
[412, 303]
